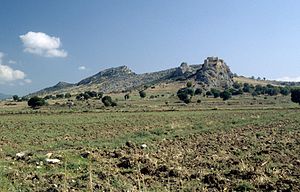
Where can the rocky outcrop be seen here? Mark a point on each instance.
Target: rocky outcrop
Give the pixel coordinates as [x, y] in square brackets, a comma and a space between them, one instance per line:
[215, 73]
[185, 71]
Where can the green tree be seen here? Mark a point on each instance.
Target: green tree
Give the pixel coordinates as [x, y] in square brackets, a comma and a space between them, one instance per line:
[68, 95]
[142, 94]
[295, 95]
[225, 95]
[114, 104]
[215, 92]
[107, 101]
[208, 93]
[36, 102]
[127, 96]
[238, 92]
[24, 98]
[236, 85]
[259, 89]
[285, 91]
[91, 93]
[272, 91]
[189, 84]
[248, 88]
[254, 94]
[100, 95]
[16, 98]
[48, 97]
[60, 96]
[185, 94]
[198, 91]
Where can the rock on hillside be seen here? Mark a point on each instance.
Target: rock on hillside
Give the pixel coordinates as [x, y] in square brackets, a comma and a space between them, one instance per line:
[185, 71]
[215, 73]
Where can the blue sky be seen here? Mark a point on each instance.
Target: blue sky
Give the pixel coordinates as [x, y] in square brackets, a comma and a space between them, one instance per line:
[43, 42]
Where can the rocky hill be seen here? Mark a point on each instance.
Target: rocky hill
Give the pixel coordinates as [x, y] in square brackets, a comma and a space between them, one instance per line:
[60, 86]
[212, 73]
[215, 73]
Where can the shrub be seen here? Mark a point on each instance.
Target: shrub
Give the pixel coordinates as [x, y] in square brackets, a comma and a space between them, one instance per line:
[238, 92]
[16, 98]
[48, 97]
[259, 89]
[198, 91]
[272, 91]
[36, 102]
[60, 96]
[79, 97]
[254, 94]
[295, 96]
[225, 95]
[107, 101]
[215, 92]
[68, 95]
[208, 93]
[100, 95]
[285, 91]
[114, 104]
[24, 98]
[142, 94]
[189, 84]
[247, 87]
[126, 96]
[236, 85]
[91, 93]
[185, 94]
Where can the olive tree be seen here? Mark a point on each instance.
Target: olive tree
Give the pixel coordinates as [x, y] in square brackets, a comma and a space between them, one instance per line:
[36, 102]
[295, 95]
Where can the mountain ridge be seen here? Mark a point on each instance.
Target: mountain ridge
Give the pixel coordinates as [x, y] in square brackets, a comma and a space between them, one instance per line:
[214, 72]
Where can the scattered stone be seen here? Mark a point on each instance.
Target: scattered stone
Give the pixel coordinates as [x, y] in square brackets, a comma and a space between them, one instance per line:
[48, 155]
[23, 155]
[52, 161]
[129, 144]
[20, 155]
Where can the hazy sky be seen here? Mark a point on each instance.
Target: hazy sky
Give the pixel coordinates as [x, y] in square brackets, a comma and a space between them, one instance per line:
[43, 42]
